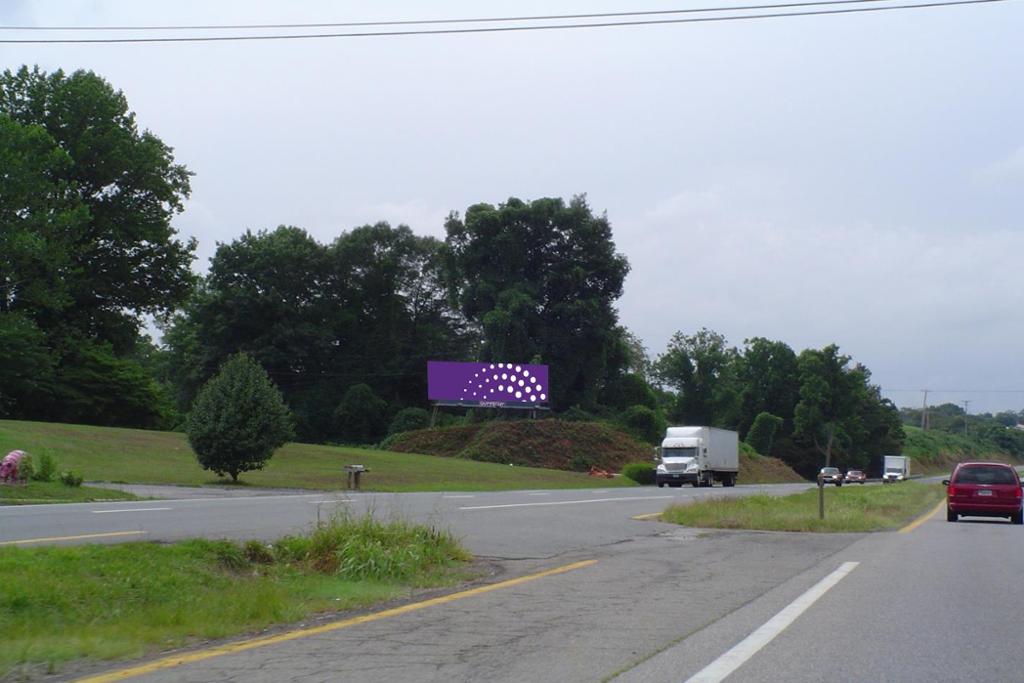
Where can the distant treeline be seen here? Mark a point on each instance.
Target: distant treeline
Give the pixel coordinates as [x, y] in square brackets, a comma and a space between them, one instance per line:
[996, 432]
[345, 328]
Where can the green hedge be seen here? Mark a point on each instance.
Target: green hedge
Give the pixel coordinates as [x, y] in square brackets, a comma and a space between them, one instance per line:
[640, 472]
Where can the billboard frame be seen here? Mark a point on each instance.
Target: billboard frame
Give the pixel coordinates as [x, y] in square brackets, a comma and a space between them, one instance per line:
[519, 405]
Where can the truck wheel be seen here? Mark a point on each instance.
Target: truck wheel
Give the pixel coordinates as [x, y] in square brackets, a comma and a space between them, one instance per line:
[951, 516]
[694, 484]
[730, 480]
[661, 484]
[839, 484]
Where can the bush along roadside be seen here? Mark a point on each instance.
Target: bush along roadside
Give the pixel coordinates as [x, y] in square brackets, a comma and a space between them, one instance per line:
[119, 601]
[640, 472]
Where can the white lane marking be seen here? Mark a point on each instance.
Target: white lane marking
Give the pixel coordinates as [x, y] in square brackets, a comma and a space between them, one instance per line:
[748, 647]
[336, 500]
[103, 512]
[542, 493]
[561, 502]
[458, 496]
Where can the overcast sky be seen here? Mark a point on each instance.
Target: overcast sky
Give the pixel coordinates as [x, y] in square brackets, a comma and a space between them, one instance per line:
[856, 179]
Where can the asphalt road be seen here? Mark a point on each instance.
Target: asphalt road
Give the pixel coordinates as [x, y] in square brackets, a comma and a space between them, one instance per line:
[940, 603]
[654, 602]
[509, 524]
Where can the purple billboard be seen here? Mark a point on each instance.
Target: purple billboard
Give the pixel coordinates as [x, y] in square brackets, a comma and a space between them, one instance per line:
[488, 384]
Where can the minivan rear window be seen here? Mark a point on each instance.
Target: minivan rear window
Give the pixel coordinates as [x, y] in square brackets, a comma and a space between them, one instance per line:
[986, 474]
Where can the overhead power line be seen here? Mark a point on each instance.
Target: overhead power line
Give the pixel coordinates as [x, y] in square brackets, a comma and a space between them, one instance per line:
[422, 22]
[955, 391]
[502, 29]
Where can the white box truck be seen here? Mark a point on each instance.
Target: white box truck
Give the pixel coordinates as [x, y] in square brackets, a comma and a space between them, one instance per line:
[895, 468]
[698, 456]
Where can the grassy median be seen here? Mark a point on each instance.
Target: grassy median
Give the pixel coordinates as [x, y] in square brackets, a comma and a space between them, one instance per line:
[864, 508]
[56, 492]
[121, 601]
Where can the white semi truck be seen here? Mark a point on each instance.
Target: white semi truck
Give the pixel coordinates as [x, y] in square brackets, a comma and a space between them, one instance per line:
[698, 456]
[895, 468]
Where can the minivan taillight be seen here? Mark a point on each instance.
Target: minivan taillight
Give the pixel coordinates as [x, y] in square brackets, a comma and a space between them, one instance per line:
[1018, 493]
[952, 491]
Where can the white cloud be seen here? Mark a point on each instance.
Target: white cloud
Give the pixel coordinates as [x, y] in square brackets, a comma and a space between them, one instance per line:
[908, 302]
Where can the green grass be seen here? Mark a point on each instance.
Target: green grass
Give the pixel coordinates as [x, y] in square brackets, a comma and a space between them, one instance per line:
[110, 602]
[864, 508]
[56, 492]
[150, 457]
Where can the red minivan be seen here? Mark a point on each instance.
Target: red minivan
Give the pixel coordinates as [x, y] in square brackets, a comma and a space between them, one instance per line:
[984, 489]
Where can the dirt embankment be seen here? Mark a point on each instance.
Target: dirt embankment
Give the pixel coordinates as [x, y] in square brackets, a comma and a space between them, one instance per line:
[554, 444]
[561, 445]
[757, 469]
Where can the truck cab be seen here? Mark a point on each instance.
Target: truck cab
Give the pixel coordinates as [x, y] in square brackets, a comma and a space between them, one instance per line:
[680, 462]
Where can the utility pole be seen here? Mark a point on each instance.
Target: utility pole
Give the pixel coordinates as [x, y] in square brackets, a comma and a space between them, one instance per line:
[924, 411]
[966, 403]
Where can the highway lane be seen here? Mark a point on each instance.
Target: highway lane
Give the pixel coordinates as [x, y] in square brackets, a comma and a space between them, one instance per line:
[630, 601]
[507, 524]
[940, 603]
[658, 602]
[943, 605]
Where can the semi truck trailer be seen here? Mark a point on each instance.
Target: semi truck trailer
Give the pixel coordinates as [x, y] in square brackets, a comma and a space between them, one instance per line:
[698, 456]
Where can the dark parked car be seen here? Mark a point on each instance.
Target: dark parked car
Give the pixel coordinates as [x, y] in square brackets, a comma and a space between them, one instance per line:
[984, 489]
[831, 475]
[855, 477]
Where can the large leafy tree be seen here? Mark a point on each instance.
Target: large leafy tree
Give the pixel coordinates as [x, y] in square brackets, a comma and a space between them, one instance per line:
[769, 378]
[366, 309]
[397, 315]
[26, 365]
[830, 393]
[540, 280]
[270, 295]
[841, 413]
[701, 369]
[40, 217]
[123, 258]
[86, 243]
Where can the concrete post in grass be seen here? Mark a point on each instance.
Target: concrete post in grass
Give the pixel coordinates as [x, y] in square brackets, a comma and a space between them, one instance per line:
[821, 496]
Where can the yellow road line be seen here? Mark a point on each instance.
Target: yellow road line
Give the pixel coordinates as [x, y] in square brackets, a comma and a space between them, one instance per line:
[231, 648]
[923, 518]
[649, 515]
[71, 538]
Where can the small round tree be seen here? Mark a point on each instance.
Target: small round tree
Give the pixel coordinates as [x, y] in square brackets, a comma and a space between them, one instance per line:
[359, 416]
[238, 419]
[409, 419]
[762, 432]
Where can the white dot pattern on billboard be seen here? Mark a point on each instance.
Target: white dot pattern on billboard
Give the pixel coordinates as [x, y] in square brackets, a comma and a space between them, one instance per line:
[520, 384]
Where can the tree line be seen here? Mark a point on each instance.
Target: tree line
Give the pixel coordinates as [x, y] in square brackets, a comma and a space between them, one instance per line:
[990, 432]
[344, 328]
